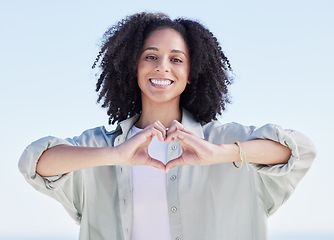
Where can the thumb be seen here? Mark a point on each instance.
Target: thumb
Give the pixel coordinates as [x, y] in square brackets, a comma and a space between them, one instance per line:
[174, 163]
[156, 163]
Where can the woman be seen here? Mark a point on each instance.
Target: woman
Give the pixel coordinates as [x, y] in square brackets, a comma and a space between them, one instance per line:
[164, 81]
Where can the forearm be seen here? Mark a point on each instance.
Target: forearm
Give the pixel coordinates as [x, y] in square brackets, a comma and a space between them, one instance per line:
[257, 151]
[63, 159]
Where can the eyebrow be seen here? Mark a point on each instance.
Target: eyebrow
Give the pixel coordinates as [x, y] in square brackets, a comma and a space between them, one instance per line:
[156, 49]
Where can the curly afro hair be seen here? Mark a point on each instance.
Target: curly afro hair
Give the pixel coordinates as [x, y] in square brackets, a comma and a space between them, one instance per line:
[117, 85]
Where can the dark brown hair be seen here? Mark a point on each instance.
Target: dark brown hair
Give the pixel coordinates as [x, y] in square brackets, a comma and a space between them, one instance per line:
[117, 85]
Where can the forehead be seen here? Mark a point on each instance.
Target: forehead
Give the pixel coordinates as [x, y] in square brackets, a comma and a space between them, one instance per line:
[166, 39]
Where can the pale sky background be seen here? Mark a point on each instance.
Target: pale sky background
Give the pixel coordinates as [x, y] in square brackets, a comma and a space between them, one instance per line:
[281, 52]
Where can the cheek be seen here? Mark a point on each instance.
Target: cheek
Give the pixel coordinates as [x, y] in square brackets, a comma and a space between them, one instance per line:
[142, 69]
[141, 77]
[185, 73]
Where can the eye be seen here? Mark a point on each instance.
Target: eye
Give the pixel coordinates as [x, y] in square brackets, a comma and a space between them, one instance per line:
[151, 57]
[176, 60]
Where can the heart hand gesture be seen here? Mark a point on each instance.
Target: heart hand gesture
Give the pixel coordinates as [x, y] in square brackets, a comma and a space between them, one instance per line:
[195, 151]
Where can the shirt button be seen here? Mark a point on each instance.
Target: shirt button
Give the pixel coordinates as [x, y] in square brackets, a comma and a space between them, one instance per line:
[174, 209]
[174, 147]
[173, 178]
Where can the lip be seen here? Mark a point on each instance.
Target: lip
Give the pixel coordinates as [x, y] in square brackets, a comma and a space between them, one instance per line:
[161, 82]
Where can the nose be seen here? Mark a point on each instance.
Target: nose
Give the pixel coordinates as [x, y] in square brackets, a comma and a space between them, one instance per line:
[163, 65]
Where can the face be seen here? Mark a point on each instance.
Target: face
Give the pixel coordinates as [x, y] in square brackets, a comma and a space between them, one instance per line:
[163, 67]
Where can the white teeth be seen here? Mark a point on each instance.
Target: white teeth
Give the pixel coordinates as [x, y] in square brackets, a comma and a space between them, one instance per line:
[161, 83]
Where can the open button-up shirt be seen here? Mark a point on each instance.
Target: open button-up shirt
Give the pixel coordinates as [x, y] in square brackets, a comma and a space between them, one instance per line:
[213, 202]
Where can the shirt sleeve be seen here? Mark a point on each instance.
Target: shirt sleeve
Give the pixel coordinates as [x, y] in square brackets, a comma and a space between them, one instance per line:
[64, 188]
[68, 189]
[276, 183]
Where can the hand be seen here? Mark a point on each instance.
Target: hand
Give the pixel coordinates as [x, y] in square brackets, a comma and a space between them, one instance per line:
[195, 151]
[135, 150]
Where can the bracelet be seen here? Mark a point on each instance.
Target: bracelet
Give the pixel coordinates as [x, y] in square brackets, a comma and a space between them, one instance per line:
[242, 157]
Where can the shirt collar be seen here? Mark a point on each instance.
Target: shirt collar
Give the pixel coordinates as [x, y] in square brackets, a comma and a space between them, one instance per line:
[188, 122]
[191, 124]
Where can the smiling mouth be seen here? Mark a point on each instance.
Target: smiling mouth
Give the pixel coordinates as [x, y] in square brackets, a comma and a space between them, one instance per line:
[165, 82]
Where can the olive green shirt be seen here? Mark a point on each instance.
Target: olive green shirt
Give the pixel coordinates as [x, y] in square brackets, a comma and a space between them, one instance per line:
[213, 202]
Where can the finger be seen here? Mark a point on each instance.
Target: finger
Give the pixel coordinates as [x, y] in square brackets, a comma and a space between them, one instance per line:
[156, 163]
[158, 126]
[157, 132]
[175, 125]
[154, 130]
[189, 140]
[174, 163]
[176, 134]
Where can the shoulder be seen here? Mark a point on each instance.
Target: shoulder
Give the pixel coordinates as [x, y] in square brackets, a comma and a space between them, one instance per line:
[219, 133]
[94, 137]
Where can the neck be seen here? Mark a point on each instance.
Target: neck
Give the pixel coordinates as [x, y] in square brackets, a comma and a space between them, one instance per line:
[165, 113]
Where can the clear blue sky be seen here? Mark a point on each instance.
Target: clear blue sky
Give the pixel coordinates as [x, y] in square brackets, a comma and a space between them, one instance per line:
[281, 51]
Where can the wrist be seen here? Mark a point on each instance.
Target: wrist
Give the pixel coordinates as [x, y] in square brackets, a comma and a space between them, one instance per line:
[109, 156]
[112, 155]
[228, 153]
